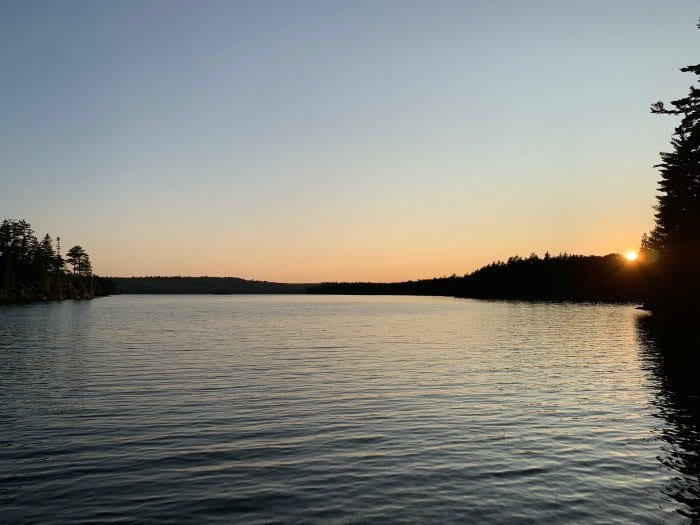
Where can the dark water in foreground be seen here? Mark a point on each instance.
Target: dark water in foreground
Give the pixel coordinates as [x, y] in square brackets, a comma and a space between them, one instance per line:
[267, 409]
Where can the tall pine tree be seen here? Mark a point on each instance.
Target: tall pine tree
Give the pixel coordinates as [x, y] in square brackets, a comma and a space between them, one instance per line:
[676, 235]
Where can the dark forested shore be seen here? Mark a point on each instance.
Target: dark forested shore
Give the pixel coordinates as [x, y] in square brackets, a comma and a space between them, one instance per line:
[34, 270]
[611, 278]
[576, 278]
[202, 285]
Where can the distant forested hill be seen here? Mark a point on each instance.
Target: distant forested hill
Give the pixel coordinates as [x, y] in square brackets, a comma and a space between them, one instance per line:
[609, 278]
[201, 285]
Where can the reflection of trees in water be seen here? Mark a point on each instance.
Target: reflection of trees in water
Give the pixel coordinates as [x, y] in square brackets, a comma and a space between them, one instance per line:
[672, 355]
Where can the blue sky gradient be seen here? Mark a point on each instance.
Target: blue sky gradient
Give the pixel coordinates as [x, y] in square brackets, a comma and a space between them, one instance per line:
[307, 141]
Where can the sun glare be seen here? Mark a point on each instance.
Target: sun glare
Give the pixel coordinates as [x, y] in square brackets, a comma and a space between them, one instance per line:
[631, 256]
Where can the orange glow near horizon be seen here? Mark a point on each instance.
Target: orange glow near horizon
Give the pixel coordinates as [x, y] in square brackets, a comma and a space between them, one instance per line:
[375, 256]
[316, 142]
[631, 255]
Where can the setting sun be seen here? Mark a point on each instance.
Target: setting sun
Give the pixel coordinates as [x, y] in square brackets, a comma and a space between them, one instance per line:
[631, 256]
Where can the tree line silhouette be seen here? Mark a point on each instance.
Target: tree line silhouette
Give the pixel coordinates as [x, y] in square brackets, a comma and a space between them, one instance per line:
[202, 285]
[34, 270]
[610, 278]
[561, 278]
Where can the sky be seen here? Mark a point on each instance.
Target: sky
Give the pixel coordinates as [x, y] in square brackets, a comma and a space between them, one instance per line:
[309, 141]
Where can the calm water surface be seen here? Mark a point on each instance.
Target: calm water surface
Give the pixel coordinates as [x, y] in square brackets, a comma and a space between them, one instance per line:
[270, 409]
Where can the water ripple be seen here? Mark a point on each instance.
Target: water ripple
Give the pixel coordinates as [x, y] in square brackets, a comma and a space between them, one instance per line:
[287, 409]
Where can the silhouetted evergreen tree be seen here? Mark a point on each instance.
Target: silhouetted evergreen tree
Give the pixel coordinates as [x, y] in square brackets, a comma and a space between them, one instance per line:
[80, 260]
[673, 248]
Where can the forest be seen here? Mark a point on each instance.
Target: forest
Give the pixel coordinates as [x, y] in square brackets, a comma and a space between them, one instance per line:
[34, 270]
[610, 278]
[201, 285]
